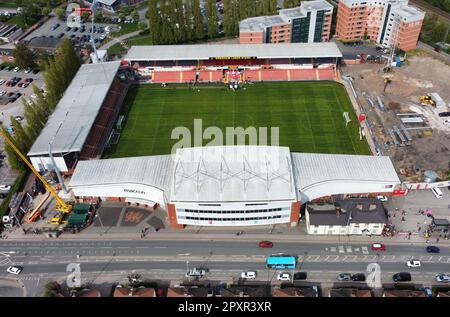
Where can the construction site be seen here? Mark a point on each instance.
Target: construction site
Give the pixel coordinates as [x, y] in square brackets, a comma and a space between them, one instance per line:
[407, 112]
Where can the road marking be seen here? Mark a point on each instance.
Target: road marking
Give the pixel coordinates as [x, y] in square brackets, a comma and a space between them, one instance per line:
[341, 249]
[356, 249]
[365, 250]
[349, 249]
[333, 249]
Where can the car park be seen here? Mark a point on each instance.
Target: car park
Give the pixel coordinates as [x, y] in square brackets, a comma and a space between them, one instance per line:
[265, 244]
[378, 247]
[248, 275]
[413, 263]
[443, 278]
[300, 276]
[14, 270]
[402, 277]
[433, 249]
[344, 277]
[360, 277]
[284, 276]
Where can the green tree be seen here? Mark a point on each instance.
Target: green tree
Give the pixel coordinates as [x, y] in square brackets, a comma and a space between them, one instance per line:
[213, 18]
[142, 25]
[34, 125]
[154, 21]
[85, 16]
[259, 10]
[23, 57]
[98, 16]
[46, 11]
[228, 17]
[60, 13]
[135, 15]
[21, 138]
[14, 161]
[198, 20]
[122, 16]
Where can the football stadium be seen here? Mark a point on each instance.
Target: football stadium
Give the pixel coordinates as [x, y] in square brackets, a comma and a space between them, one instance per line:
[317, 153]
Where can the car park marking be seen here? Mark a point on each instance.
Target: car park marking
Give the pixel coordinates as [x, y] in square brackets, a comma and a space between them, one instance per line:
[341, 249]
[356, 249]
[333, 249]
[349, 249]
[365, 250]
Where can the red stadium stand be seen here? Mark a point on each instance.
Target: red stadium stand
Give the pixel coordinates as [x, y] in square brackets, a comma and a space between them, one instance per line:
[303, 74]
[327, 74]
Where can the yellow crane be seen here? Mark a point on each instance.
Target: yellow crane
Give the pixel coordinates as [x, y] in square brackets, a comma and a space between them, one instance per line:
[61, 205]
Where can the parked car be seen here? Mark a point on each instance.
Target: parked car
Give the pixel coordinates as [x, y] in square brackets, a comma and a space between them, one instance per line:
[413, 263]
[444, 114]
[60, 35]
[284, 276]
[344, 277]
[433, 249]
[2, 93]
[359, 277]
[248, 275]
[2, 67]
[382, 198]
[55, 26]
[28, 70]
[300, 276]
[265, 244]
[35, 71]
[447, 122]
[2, 81]
[195, 273]
[428, 291]
[9, 68]
[402, 277]
[5, 187]
[378, 247]
[437, 192]
[14, 270]
[443, 278]
[16, 69]
[19, 118]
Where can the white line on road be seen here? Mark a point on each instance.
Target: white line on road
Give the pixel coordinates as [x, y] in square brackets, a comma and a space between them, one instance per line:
[341, 249]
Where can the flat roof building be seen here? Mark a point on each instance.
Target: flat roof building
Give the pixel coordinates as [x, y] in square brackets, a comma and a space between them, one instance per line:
[308, 23]
[9, 32]
[384, 21]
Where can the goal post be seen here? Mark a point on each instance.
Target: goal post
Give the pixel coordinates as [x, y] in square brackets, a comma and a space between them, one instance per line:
[346, 118]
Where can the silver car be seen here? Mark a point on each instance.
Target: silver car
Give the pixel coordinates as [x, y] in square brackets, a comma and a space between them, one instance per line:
[443, 278]
[344, 277]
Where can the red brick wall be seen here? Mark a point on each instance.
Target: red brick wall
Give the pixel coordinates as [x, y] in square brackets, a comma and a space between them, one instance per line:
[173, 217]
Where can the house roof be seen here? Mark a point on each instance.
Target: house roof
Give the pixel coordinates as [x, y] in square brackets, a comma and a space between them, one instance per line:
[94, 292]
[360, 210]
[443, 294]
[294, 292]
[404, 293]
[134, 292]
[187, 292]
[246, 291]
[350, 292]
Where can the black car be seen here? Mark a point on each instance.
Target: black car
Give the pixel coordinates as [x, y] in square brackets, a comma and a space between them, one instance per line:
[444, 114]
[402, 277]
[35, 71]
[75, 29]
[360, 277]
[60, 35]
[300, 276]
[433, 249]
[68, 29]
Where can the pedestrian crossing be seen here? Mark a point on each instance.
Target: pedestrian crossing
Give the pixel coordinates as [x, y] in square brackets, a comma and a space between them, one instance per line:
[348, 249]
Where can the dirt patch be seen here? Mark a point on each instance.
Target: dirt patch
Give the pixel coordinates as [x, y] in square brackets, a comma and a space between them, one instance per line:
[430, 147]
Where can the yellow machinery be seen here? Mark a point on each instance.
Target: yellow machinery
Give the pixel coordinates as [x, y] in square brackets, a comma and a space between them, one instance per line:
[426, 100]
[61, 206]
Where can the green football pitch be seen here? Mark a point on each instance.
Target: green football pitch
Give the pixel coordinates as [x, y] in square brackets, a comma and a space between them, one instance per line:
[309, 116]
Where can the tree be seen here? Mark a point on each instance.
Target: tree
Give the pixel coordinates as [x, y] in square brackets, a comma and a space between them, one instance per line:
[142, 25]
[46, 11]
[154, 21]
[23, 56]
[259, 10]
[98, 16]
[122, 16]
[85, 16]
[30, 13]
[42, 59]
[135, 15]
[198, 20]
[52, 289]
[213, 19]
[34, 124]
[60, 13]
[14, 161]
[21, 138]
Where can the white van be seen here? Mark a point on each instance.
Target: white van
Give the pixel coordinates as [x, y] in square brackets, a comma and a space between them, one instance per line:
[437, 192]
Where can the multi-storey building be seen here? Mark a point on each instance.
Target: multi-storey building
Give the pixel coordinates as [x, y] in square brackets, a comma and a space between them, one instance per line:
[311, 22]
[383, 21]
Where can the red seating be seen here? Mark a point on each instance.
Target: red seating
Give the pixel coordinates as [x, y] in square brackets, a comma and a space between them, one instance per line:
[303, 74]
[327, 74]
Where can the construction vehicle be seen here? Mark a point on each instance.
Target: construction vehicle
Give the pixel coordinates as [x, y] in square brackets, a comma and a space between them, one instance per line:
[61, 206]
[426, 100]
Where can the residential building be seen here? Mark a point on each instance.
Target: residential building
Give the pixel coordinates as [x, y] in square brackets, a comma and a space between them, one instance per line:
[350, 292]
[245, 291]
[443, 294]
[94, 292]
[308, 23]
[383, 21]
[404, 293]
[295, 292]
[352, 216]
[189, 291]
[134, 292]
[9, 32]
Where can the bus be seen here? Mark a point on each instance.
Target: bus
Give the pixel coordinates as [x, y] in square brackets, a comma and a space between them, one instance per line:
[281, 262]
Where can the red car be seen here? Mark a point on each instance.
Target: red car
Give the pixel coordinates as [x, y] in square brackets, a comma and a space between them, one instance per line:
[378, 247]
[265, 244]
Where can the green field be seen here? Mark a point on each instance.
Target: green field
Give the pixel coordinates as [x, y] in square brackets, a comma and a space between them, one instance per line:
[308, 114]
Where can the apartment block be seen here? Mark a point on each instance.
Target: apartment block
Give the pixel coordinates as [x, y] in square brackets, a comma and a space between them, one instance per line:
[380, 21]
[309, 23]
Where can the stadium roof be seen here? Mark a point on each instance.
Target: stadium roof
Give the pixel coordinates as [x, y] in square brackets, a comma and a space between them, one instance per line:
[75, 113]
[146, 170]
[233, 174]
[207, 51]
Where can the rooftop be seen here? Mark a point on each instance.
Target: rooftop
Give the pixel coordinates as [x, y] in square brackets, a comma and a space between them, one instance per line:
[134, 292]
[360, 210]
[233, 174]
[207, 51]
[75, 113]
[44, 42]
[350, 292]
[153, 171]
[403, 293]
[7, 29]
[295, 292]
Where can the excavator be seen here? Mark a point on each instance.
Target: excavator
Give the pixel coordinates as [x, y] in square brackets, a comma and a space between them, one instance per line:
[426, 100]
[62, 207]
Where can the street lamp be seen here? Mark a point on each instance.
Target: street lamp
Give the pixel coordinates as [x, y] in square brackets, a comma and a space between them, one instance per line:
[101, 223]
